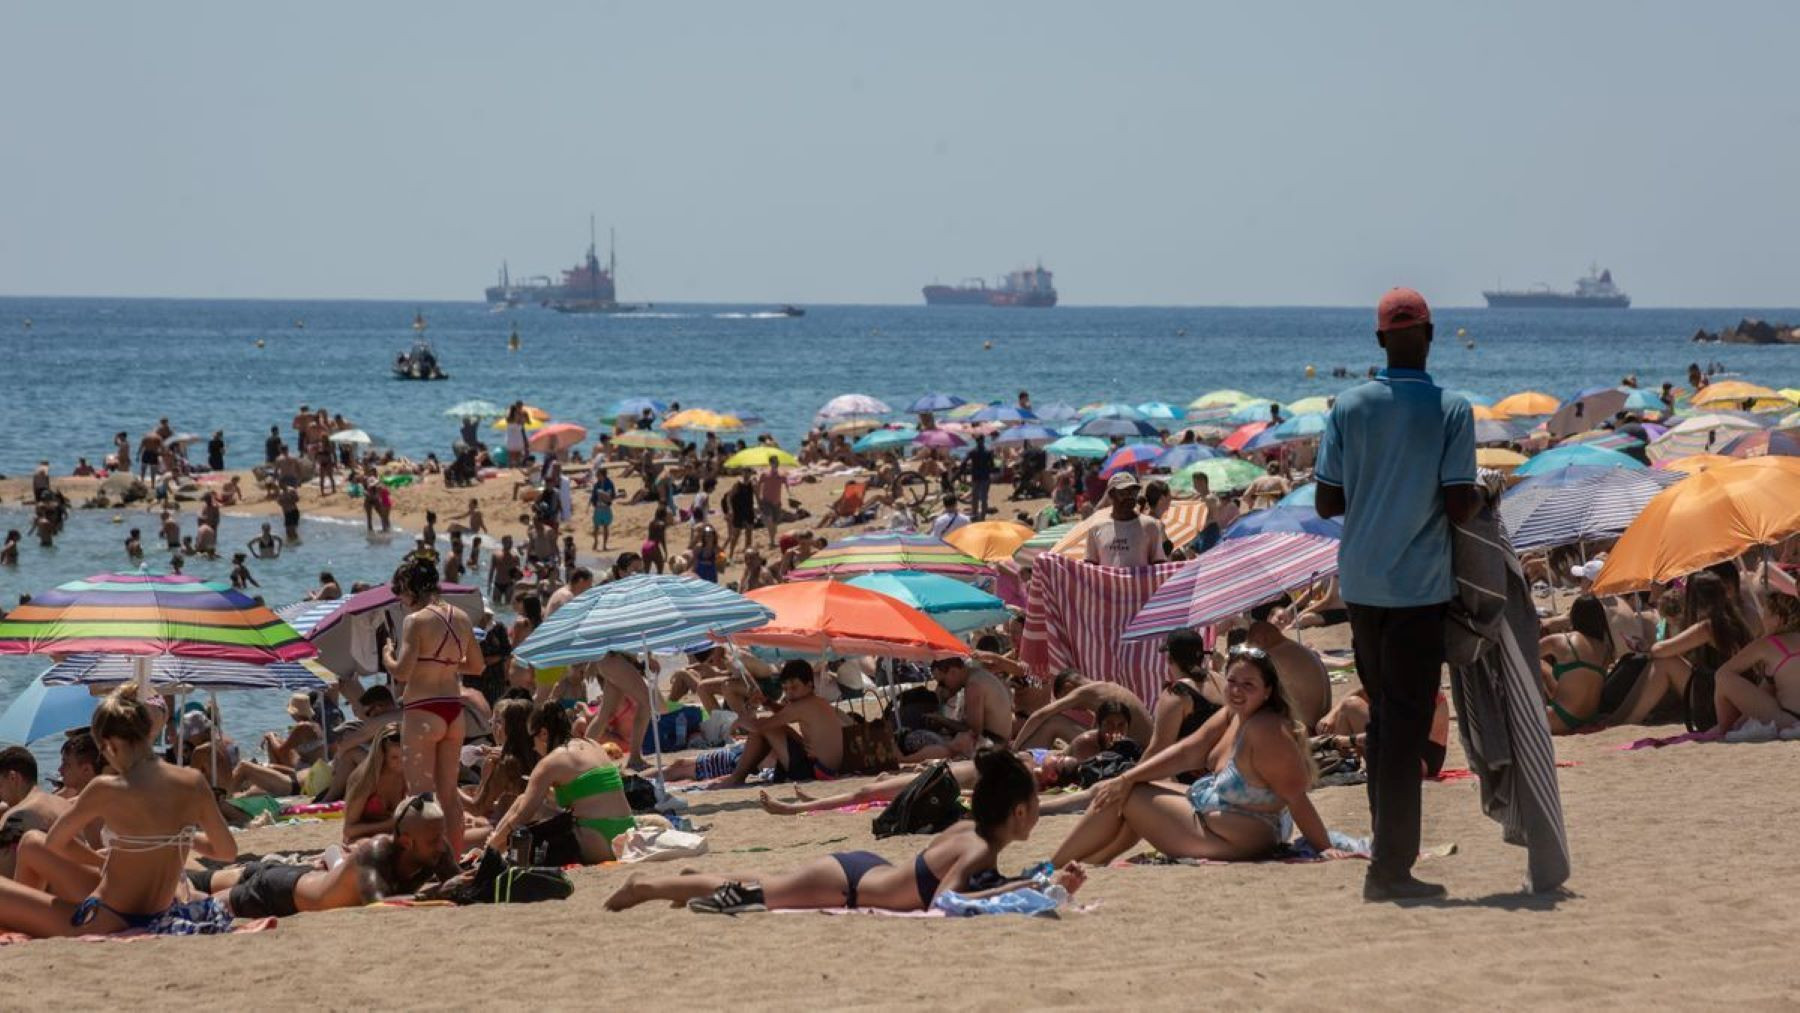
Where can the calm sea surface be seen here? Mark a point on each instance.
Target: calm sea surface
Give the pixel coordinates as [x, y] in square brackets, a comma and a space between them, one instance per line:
[87, 368]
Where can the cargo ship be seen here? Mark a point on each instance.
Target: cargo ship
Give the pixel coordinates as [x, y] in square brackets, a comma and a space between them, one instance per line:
[1025, 287]
[585, 288]
[1594, 292]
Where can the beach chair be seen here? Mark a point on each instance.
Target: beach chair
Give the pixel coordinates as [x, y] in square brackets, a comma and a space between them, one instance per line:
[849, 505]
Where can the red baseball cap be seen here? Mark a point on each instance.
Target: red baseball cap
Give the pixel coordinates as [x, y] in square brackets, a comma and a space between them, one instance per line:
[1401, 307]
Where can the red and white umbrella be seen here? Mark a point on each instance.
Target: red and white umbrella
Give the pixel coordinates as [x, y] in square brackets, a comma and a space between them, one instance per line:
[1237, 576]
[557, 437]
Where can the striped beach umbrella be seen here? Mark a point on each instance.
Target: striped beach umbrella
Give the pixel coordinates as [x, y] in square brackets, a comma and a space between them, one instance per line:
[1233, 578]
[344, 630]
[150, 614]
[1705, 433]
[1240, 437]
[198, 673]
[882, 552]
[1599, 505]
[1302, 519]
[649, 612]
[1135, 456]
[1043, 541]
[852, 405]
[954, 605]
[644, 439]
[1767, 443]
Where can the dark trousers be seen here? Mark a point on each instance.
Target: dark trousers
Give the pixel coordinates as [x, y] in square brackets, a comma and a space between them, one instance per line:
[1400, 659]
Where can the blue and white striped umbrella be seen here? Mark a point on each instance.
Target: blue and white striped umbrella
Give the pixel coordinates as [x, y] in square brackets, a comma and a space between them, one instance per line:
[1598, 506]
[654, 612]
[200, 673]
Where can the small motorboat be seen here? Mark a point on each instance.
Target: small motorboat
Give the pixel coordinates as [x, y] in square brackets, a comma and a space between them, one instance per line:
[792, 311]
[420, 362]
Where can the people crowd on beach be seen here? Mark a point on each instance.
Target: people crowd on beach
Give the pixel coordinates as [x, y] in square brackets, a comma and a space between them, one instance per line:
[456, 750]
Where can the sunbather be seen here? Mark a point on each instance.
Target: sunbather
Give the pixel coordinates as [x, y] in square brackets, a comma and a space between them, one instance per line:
[584, 780]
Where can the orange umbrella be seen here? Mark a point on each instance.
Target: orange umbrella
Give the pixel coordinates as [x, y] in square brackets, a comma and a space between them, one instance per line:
[825, 617]
[557, 437]
[1182, 523]
[1528, 402]
[990, 541]
[1732, 393]
[1694, 464]
[1716, 515]
[1483, 413]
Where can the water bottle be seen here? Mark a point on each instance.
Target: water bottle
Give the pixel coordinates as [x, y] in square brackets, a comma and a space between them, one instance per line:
[1056, 893]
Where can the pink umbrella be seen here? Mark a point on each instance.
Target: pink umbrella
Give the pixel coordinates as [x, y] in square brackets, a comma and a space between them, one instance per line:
[1242, 435]
[1239, 575]
[557, 437]
[942, 439]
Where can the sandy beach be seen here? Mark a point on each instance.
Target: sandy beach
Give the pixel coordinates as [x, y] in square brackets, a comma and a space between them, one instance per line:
[1679, 899]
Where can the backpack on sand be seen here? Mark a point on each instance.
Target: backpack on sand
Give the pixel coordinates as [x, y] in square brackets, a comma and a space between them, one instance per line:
[929, 804]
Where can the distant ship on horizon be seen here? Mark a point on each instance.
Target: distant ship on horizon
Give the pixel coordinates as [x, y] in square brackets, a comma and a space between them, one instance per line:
[586, 288]
[1596, 291]
[1024, 287]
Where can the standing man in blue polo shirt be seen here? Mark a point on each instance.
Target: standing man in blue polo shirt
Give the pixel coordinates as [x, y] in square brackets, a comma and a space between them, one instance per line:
[1398, 463]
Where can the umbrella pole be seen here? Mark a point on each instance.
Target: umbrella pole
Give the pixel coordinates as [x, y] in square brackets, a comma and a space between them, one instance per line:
[655, 724]
[218, 734]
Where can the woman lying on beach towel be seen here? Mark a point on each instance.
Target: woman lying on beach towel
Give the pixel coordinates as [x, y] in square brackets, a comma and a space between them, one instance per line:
[1250, 801]
[155, 814]
[962, 858]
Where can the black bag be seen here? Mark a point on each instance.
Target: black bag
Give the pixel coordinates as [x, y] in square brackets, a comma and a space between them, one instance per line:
[497, 881]
[550, 841]
[932, 802]
[1701, 715]
[640, 793]
[1108, 763]
[1620, 681]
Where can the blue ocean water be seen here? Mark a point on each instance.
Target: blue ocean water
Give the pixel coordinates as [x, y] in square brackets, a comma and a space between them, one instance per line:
[87, 368]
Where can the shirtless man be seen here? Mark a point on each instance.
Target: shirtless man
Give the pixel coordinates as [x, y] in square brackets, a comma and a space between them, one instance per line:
[1267, 489]
[816, 750]
[26, 806]
[987, 703]
[377, 868]
[771, 494]
[1303, 675]
[580, 579]
[171, 530]
[289, 501]
[150, 449]
[1077, 692]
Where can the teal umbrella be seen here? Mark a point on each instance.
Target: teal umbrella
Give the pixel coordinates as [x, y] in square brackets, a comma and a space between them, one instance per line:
[1080, 446]
[884, 439]
[1571, 455]
[956, 606]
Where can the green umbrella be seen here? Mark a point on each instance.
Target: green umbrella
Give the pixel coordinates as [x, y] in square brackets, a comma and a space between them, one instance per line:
[1080, 446]
[1225, 474]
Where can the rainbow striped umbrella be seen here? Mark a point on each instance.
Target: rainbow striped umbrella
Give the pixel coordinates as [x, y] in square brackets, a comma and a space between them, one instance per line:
[885, 552]
[150, 614]
[1234, 578]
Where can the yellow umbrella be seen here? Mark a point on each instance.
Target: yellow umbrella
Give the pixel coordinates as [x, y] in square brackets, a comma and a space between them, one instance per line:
[703, 420]
[1226, 398]
[990, 541]
[1791, 393]
[759, 457]
[1315, 405]
[534, 417]
[1733, 393]
[855, 427]
[1528, 402]
[1485, 414]
[1716, 515]
[1499, 457]
[1694, 464]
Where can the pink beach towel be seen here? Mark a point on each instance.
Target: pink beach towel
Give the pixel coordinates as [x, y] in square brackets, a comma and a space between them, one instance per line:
[1073, 617]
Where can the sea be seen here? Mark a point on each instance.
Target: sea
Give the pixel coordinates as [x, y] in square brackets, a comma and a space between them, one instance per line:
[80, 370]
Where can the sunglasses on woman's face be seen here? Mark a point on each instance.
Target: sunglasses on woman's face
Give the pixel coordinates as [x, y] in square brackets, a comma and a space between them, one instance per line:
[1246, 651]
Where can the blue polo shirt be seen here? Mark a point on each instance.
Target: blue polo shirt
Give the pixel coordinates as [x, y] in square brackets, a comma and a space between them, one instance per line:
[1392, 444]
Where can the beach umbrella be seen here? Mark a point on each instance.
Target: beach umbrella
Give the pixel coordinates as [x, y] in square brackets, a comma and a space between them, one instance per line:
[1705, 433]
[557, 437]
[1766, 443]
[1640, 400]
[182, 439]
[761, 457]
[344, 630]
[1306, 496]
[1587, 412]
[1524, 496]
[1693, 464]
[849, 405]
[990, 541]
[827, 618]
[1527, 403]
[1133, 456]
[1233, 578]
[1182, 522]
[880, 552]
[1291, 519]
[1252, 411]
[884, 439]
[964, 412]
[1226, 474]
[1112, 410]
[1315, 405]
[1107, 427]
[854, 426]
[1498, 457]
[1158, 410]
[997, 412]
[1482, 413]
[1599, 506]
[41, 711]
[354, 437]
[954, 605]
[633, 407]
[1043, 541]
[534, 417]
[1181, 455]
[1243, 434]
[1226, 398]
[940, 439]
[644, 439]
[1716, 515]
[150, 614]
[1498, 431]
[1577, 454]
[647, 612]
[1057, 411]
[1027, 434]
[1740, 395]
[476, 409]
[1475, 400]
[703, 420]
[934, 403]
[1298, 427]
[1090, 447]
[106, 670]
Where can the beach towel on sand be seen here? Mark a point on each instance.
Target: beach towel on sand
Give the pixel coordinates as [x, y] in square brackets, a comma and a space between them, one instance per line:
[1491, 642]
[1074, 614]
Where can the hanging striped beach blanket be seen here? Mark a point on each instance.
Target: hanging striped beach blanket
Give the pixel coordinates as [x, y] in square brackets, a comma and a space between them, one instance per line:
[1074, 614]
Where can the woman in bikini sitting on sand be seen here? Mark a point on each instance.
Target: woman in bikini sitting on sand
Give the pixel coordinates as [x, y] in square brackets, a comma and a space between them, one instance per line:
[963, 858]
[437, 648]
[581, 776]
[1774, 699]
[1250, 801]
[1573, 668]
[154, 814]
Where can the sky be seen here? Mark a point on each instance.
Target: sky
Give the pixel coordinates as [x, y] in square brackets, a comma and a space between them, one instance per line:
[1149, 153]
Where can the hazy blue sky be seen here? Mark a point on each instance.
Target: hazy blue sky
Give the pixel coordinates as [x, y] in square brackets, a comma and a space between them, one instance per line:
[1168, 153]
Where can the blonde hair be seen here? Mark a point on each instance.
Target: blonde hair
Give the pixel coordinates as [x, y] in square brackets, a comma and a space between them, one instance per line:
[368, 773]
[122, 715]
